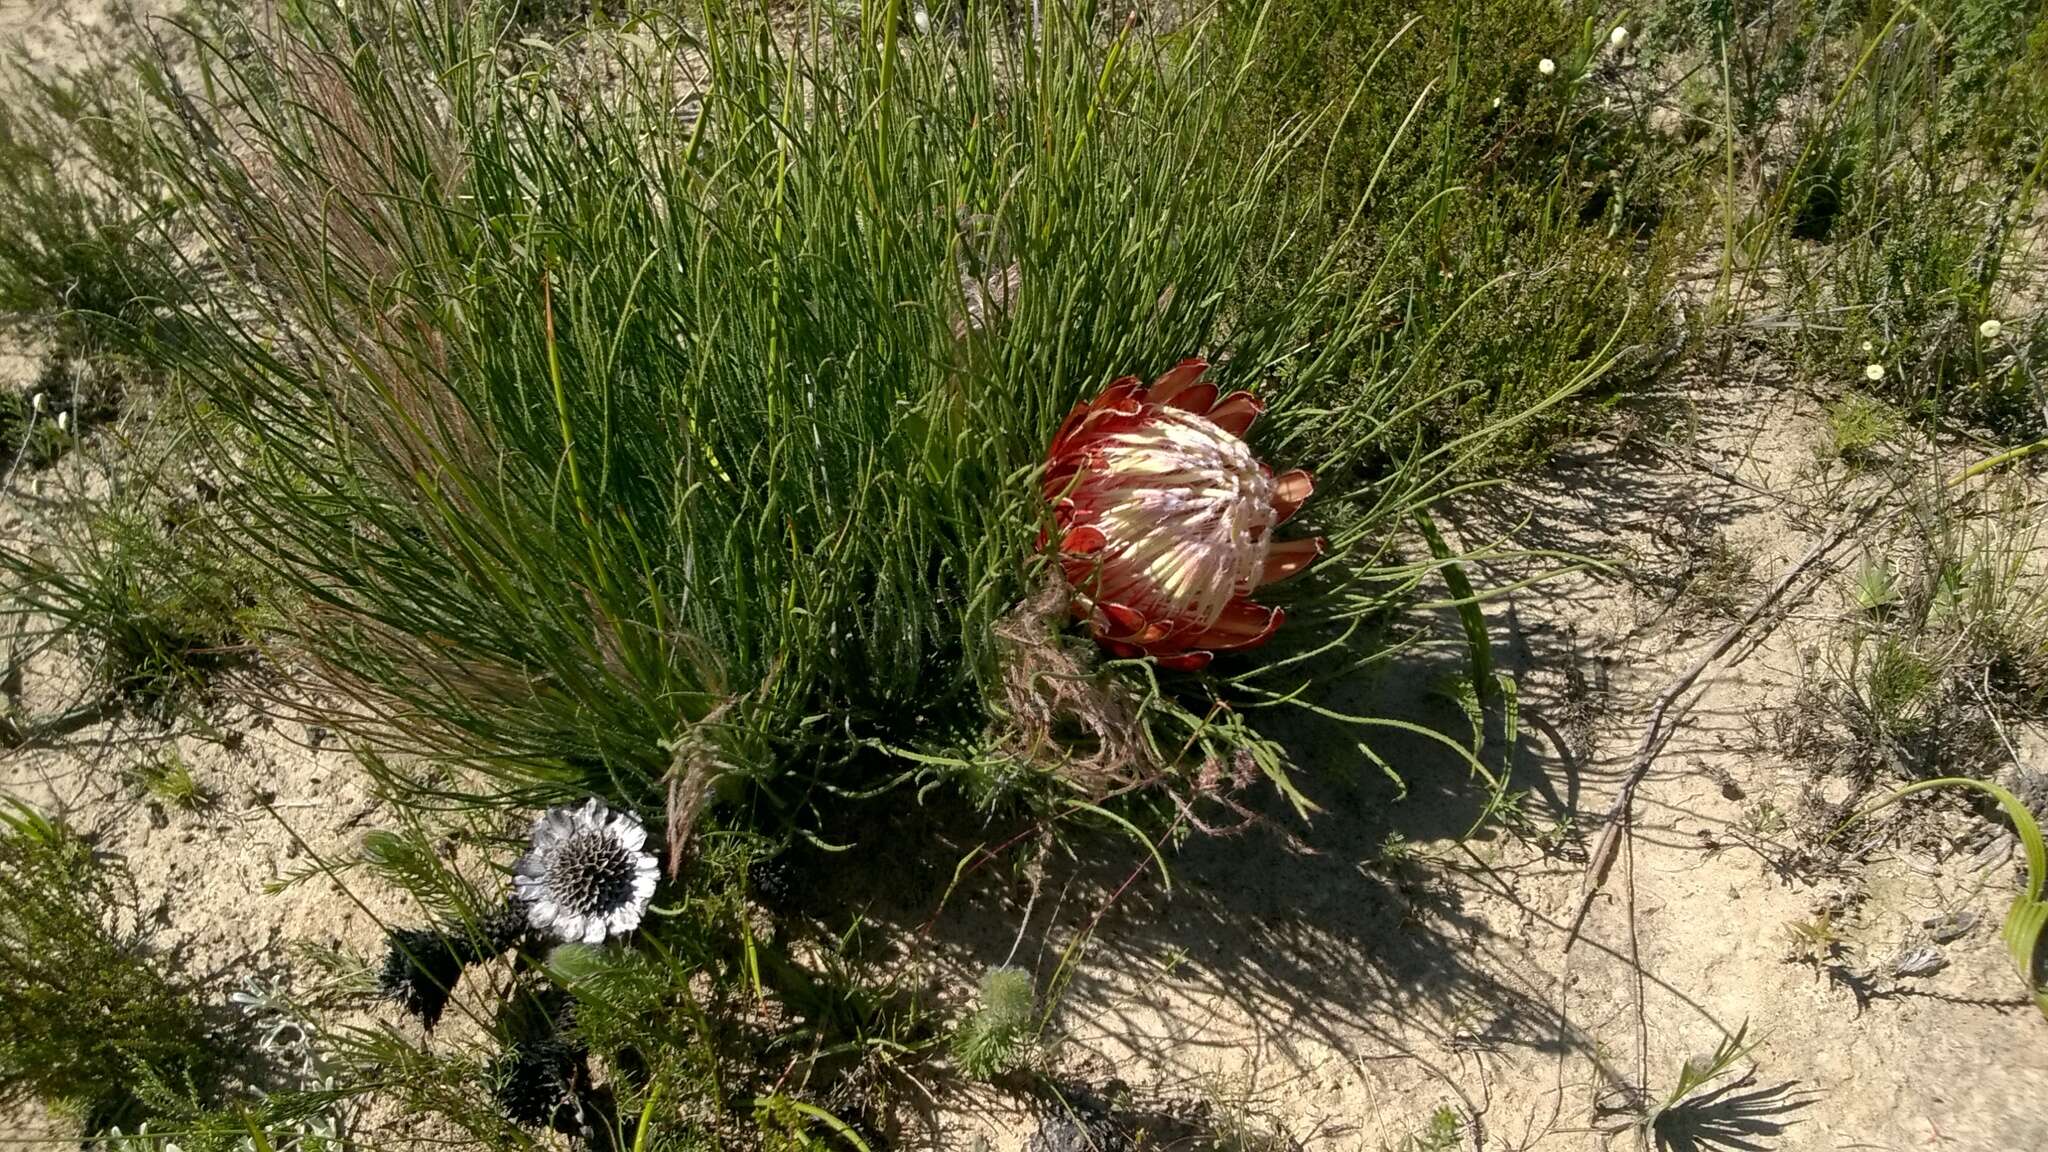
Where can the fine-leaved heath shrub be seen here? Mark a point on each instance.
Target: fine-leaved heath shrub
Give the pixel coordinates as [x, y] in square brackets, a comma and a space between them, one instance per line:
[87, 1012]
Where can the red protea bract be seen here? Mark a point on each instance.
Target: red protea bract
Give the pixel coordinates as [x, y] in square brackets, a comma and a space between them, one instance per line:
[1166, 519]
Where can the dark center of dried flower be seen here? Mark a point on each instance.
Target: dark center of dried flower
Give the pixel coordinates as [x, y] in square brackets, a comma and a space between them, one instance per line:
[591, 874]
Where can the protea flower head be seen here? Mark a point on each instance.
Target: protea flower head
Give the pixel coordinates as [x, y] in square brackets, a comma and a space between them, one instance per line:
[585, 876]
[1166, 518]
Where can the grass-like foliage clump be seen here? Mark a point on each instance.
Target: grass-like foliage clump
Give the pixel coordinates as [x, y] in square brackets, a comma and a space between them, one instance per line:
[147, 600]
[679, 449]
[79, 191]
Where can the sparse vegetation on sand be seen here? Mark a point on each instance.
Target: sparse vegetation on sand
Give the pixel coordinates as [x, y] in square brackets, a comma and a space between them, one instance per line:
[895, 574]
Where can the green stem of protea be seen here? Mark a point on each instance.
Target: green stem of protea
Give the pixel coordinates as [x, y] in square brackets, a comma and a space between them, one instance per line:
[647, 1115]
[1999, 461]
[1469, 614]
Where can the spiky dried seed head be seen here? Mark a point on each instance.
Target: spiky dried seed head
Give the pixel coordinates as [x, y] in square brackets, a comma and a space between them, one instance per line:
[533, 1080]
[495, 934]
[773, 881]
[421, 966]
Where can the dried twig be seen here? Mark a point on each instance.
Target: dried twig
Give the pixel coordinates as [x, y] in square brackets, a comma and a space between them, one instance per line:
[1619, 814]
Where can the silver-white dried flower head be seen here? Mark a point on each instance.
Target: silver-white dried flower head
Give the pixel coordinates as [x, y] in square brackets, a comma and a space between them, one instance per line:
[585, 877]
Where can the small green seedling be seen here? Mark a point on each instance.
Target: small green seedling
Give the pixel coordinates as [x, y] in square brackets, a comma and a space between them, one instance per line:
[1440, 1134]
[170, 779]
[997, 1036]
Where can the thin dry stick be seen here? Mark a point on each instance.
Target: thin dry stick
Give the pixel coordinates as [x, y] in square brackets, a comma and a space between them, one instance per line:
[1619, 814]
[1641, 997]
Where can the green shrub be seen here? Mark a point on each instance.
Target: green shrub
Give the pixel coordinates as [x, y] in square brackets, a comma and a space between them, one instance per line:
[1906, 194]
[87, 1013]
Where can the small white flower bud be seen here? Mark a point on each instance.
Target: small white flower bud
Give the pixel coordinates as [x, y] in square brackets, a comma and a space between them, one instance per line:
[1867, 346]
[1990, 329]
[1873, 372]
[1546, 66]
[63, 421]
[1619, 36]
[37, 402]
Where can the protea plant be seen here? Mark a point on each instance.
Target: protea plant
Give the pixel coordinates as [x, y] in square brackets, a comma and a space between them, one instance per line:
[1166, 518]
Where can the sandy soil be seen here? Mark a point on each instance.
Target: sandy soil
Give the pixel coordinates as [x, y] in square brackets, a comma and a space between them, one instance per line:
[1335, 1001]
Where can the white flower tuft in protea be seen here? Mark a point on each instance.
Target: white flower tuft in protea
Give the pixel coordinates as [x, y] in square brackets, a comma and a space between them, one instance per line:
[585, 877]
[1167, 519]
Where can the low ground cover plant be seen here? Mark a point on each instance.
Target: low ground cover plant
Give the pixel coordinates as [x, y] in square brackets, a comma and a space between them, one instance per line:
[92, 1016]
